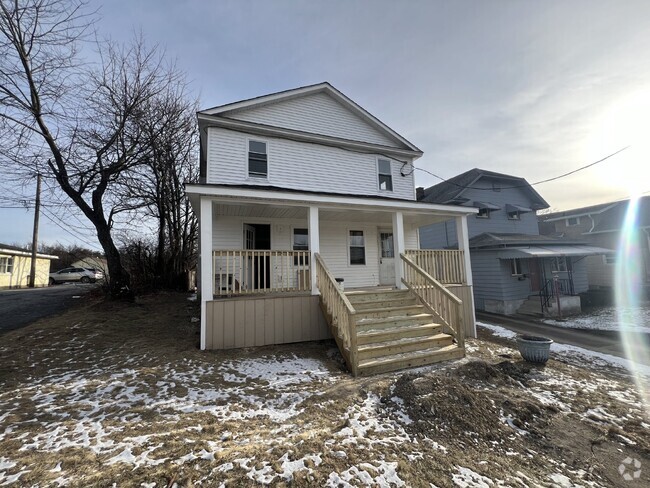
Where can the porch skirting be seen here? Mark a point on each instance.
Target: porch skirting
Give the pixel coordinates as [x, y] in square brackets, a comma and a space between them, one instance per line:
[464, 292]
[263, 320]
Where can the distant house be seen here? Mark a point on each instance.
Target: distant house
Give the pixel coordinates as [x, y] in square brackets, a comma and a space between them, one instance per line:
[602, 225]
[15, 266]
[92, 262]
[309, 229]
[514, 268]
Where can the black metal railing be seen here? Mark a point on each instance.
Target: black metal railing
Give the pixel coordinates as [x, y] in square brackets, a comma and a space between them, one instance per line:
[548, 291]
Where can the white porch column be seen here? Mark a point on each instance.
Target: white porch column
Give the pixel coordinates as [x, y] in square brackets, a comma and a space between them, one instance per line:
[314, 245]
[463, 245]
[207, 273]
[398, 244]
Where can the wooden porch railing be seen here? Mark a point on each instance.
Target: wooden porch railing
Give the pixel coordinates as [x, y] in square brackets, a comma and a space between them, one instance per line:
[436, 299]
[340, 312]
[445, 266]
[241, 272]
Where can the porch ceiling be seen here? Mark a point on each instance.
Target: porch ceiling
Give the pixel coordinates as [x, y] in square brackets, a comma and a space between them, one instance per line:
[380, 217]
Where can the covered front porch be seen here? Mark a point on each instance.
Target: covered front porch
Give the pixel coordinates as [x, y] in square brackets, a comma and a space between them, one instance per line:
[259, 248]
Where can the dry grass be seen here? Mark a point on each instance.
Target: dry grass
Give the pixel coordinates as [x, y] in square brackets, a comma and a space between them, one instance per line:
[119, 393]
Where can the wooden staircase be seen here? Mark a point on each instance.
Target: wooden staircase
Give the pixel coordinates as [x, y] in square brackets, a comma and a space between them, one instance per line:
[394, 331]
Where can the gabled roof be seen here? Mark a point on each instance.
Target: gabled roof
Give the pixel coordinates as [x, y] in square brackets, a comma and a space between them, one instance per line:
[452, 189]
[325, 87]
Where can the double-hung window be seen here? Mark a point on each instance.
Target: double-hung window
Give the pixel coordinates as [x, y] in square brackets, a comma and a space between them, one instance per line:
[385, 175]
[257, 159]
[357, 247]
[300, 243]
[6, 264]
[515, 267]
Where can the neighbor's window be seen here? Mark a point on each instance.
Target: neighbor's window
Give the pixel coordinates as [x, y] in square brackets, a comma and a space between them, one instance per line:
[6, 264]
[300, 243]
[385, 175]
[558, 264]
[483, 213]
[515, 266]
[609, 258]
[514, 215]
[357, 247]
[257, 159]
[571, 221]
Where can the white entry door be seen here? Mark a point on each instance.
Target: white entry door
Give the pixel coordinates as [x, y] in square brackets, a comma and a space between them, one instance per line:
[386, 258]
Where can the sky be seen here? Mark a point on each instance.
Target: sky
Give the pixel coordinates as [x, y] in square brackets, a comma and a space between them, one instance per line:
[530, 88]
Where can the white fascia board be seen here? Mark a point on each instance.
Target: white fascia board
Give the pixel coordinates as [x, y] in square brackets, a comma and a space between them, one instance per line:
[268, 130]
[28, 254]
[244, 195]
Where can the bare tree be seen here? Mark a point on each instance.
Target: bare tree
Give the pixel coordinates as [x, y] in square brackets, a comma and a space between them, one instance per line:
[85, 120]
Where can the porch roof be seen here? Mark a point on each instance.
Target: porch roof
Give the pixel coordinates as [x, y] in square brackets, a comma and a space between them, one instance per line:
[265, 199]
[552, 251]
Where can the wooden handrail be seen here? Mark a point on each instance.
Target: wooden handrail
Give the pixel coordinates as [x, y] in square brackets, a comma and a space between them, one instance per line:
[444, 265]
[436, 298]
[248, 271]
[340, 312]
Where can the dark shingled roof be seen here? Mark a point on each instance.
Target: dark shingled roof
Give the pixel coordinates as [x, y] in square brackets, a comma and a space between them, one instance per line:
[493, 239]
[452, 189]
[14, 248]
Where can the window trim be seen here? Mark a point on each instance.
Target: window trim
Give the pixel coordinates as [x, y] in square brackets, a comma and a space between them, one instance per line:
[379, 174]
[566, 221]
[487, 214]
[257, 177]
[516, 267]
[349, 246]
[516, 215]
[9, 266]
[296, 260]
[555, 264]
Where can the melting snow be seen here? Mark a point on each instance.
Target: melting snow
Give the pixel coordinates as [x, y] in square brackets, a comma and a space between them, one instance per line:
[497, 330]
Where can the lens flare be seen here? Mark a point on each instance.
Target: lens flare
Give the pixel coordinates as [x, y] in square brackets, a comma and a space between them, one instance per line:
[629, 292]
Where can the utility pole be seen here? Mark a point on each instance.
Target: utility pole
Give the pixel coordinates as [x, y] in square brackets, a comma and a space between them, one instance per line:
[37, 210]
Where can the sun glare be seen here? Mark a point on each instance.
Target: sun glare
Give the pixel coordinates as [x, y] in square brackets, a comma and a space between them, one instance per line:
[624, 123]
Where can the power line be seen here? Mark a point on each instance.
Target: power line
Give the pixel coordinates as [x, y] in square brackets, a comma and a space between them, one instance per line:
[529, 184]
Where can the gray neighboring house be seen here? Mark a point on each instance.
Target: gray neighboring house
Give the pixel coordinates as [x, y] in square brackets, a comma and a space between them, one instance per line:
[514, 268]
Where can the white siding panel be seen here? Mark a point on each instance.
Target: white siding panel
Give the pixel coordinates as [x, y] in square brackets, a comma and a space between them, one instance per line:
[411, 238]
[319, 114]
[302, 166]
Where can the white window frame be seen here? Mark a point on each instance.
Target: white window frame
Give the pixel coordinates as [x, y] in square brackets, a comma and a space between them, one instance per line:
[486, 215]
[255, 177]
[6, 264]
[296, 261]
[516, 215]
[365, 248]
[577, 219]
[556, 264]
[516, 267]
[392, 180]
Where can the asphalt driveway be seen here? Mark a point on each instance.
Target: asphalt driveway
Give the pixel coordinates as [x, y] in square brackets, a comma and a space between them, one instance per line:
[21, 307]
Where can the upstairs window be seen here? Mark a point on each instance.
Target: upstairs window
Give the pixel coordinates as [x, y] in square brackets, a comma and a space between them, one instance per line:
[257, 159]
[483, 213]
[357, 247]
[514, 215]
[6, 264]
[571, 221]
[385, 175]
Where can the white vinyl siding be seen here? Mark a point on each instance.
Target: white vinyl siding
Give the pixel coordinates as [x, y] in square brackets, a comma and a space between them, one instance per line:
[319, 114]
[302, 166]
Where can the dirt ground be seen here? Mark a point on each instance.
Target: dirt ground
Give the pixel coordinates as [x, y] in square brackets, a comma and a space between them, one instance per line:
[114, 394]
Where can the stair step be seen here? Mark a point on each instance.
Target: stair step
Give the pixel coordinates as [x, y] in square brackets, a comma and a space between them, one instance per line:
[396, 362]
[390, 322]
[371, 296]
[403, 345]
[394, 333]
[385, 303]
[378, 313]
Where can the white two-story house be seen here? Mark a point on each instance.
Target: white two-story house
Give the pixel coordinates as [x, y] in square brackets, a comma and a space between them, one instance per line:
[309, 228]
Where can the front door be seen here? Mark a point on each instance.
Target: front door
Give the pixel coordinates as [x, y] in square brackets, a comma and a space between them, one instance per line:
[534, 274]
[258, 268]
[386, 258]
